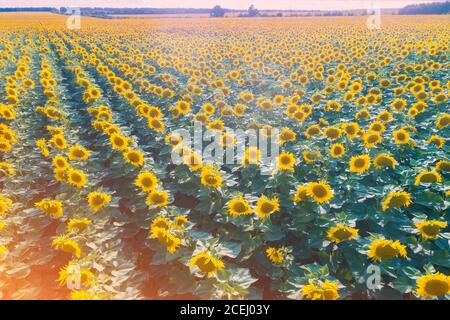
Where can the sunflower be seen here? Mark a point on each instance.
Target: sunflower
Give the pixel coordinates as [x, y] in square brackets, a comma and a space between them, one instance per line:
[78, 224]
[239, 109]
[58, 141]
[156, 124]
[433, 285]
[351, 129]
[332, 133]
[438, 141]
[430, 229]
[301, 194]
[73, 273]
[427, 177]
[78, 152]
[84, 295]
[443, 165]
[60, 175]
[384, 160]
[210, 177]
[265, 206]
[52, 207]
[67, 245]
[362, 114]
[440, 98]
[6, 169]
[341, 233]
[5, 145]
[206, 263]
[443, 121]
[313, 131]
[286, 161]
[216, 125]
[396, 199]
[275, 255]
[384, 116]
[202, 118]
[167, 238]
[337, 150]
[119, 142]
[398, 105]
[3, 252]
[286, 135]
[97, 200]
[146, 180]
[158, 198]
[193, 161]
[161, 222]
[360, 164]
[311, 156]
[228, 139]
[381, 249]
[372, 139]
[60, 162]
[239, 206]
[173, 139]
[134, 157]
[326, 290]
[76, 177]
[401, 136]
[179, 221]
[252, 155]
[320, 191]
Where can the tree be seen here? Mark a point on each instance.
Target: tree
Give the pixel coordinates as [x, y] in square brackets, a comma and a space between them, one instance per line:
[252, 11]
[217, 11]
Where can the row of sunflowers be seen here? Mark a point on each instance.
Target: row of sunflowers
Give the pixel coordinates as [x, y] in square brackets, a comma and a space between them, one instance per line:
[355, 206]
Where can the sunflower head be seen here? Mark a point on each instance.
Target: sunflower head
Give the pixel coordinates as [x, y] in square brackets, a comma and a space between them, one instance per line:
[360, 164]
[428, 177]
[166, 238]
[275, 255]
[158, 198]
[430, 229]
[396, 200]
[401, 136]
[78, 225]
[239, 206]
[320, 192]
[443, 165]
[147, 181]
[286, 161]
[97, 200]
[381, 249]
[52, 207]
[384, 160]
[210, 177]
[326, 290]
[76, 178]
[265, 207]
[206, 263]
[341, 233]
[433, 285]
[67, 245]
[134, 157]
[337, 150]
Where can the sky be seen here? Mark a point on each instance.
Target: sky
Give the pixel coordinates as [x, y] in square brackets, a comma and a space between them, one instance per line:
[231, 4]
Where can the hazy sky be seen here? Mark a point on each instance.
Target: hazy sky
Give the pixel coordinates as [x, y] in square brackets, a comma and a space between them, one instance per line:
[234, 4]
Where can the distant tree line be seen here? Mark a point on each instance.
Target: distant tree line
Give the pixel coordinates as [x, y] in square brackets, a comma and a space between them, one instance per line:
[427, 8]
[29, 9]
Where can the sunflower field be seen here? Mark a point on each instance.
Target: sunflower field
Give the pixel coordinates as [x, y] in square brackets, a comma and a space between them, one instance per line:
[92, 206]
